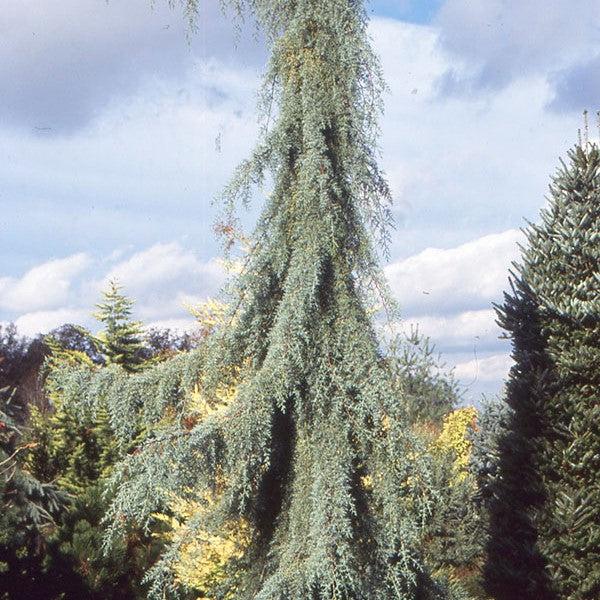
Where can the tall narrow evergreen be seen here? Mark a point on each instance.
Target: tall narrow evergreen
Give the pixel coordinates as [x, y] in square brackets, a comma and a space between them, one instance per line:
[545, 514]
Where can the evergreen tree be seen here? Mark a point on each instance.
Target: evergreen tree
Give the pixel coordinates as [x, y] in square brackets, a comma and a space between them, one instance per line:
[545, 511]
[315, 453]
[76, 563]
[122, 338]
[454, 546]
[77, 450]
[28, 507]
[454, 540]
[427, 387]
[74, 449]
[492, 426]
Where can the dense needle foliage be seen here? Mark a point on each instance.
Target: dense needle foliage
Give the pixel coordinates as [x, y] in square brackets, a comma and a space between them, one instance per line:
[314, 453]
[121, 339]
[545, 509]
[77, 451]
[27, 508]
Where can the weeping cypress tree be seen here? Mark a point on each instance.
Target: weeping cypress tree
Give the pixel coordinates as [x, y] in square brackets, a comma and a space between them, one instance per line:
[314, 454]
[545, 512]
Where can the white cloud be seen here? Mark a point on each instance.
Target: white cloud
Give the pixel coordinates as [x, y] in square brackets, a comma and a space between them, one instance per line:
[43, 321]
[503, 40]
[45, 286]
[466, 330]
[147, 166]
[74, 72]
[471, 275]
[465, 166]
[448, 293]
[165, 264]
[490, 369]
[164, 278]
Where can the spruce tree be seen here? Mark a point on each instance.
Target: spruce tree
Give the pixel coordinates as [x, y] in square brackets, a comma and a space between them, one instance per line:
[121, 340]
[545, 511]
[314, 454]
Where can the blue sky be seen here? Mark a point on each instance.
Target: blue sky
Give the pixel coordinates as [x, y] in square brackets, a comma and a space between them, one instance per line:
[412, 11]
[116, 134]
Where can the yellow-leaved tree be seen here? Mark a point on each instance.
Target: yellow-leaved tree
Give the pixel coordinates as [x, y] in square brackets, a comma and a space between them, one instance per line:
[454, 549]
[204, 562]
[454, 439]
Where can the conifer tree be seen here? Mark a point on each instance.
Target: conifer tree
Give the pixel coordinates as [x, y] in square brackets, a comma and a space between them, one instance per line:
[428, 388]
[545, 510]
[122, 338]
[77, 450]
[28, 507]
[73, 449]
[314, 454]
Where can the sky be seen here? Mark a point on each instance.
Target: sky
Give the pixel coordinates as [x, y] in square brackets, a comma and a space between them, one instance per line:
[118, 129]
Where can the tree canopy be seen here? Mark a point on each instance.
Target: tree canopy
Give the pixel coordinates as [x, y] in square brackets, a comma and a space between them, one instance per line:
[314, 453]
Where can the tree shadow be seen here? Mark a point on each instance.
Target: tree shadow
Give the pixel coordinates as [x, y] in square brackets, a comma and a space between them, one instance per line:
[515, 567]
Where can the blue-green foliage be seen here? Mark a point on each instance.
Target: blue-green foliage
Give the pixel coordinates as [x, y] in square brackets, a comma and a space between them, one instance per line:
[315, 453]
[77, 448]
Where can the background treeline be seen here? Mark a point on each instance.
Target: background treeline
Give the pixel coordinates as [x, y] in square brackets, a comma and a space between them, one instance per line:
[55, 464]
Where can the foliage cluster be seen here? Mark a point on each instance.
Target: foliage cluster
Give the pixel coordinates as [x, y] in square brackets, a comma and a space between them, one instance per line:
[454, 439]
[545, 508]
[29, 508]
[55, 549]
